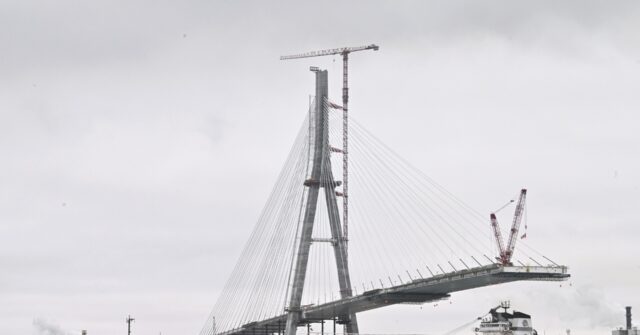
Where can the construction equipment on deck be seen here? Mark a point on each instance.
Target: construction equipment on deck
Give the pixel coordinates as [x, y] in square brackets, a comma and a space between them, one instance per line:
[506, 253]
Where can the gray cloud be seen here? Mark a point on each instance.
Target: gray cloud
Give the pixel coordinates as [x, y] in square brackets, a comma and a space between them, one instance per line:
[44, 327]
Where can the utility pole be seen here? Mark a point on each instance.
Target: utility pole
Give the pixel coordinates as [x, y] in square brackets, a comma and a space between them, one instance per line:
[129, 320]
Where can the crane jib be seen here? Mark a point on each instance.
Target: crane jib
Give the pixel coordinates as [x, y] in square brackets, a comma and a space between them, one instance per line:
[328, 52]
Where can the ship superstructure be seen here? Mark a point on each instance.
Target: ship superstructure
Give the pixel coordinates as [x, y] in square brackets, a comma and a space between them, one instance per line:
[505, 323]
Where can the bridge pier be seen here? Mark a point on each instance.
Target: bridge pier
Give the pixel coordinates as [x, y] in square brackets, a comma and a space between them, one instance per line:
[320, 177]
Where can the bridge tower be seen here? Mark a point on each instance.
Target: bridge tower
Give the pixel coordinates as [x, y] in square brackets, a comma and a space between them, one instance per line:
[320, 177]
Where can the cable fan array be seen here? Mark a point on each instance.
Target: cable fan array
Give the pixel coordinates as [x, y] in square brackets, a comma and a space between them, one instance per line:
[403, 226]
[257, 286]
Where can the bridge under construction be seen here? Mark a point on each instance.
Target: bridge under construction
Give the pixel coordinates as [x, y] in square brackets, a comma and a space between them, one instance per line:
[411, 240]
[421, 290]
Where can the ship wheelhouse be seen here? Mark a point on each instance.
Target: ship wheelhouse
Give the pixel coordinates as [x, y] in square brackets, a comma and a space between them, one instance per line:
[505, 323]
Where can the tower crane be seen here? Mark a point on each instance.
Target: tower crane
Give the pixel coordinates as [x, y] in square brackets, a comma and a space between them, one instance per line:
[345, 118]
[507, 252]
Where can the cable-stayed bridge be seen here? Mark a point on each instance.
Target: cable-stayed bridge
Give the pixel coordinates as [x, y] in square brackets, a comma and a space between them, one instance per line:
[410, 240]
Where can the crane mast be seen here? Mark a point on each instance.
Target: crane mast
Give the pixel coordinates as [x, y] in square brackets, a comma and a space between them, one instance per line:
[515, 227]
[497, 235]
[345, 119]
[507, 252]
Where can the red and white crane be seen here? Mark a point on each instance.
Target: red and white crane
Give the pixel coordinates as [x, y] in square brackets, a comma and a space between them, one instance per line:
[345, 118]
[506, 253]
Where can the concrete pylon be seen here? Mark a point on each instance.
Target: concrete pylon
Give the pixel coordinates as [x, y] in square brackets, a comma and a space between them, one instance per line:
[320, 177]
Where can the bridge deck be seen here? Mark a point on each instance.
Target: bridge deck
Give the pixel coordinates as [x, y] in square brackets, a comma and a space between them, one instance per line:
[418, 291]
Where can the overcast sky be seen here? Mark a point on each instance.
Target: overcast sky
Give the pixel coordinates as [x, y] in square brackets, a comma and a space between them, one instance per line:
[139, 141]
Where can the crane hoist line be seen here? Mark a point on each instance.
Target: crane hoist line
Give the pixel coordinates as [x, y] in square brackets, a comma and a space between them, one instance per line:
[345, 118]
